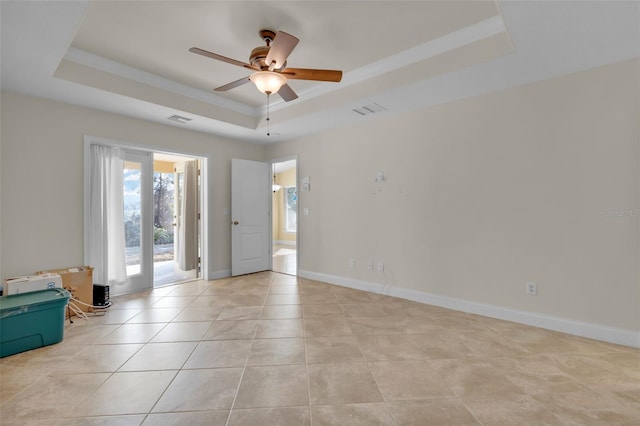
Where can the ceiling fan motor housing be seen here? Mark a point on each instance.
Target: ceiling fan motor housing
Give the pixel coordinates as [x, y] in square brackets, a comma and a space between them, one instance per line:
[259, 54]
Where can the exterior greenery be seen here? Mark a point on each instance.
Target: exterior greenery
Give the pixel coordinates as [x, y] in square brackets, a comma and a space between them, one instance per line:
[162, 211]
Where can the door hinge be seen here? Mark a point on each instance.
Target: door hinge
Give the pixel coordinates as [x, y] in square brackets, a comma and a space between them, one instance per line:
[198, 216]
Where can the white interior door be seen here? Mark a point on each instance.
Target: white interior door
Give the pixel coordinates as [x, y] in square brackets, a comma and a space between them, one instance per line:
[250, 217]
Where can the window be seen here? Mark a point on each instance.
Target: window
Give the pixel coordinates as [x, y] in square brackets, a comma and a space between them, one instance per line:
[290, 208]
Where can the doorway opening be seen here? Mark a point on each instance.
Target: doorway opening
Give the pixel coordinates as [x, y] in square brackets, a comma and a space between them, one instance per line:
[284, 207]
[176, 219]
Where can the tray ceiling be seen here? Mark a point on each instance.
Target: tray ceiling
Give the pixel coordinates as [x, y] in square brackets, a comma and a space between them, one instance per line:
[132, 58]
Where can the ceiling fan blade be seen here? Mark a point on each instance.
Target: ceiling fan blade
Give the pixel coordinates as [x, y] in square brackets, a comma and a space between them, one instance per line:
[287, 93]
[280, 48]
[312, 74]
[222, 58]
[233, 84]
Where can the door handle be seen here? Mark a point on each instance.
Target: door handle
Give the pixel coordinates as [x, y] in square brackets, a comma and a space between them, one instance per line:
[236, 222]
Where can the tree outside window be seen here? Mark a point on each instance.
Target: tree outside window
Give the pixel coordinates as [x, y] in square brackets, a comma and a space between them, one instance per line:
[163, 208]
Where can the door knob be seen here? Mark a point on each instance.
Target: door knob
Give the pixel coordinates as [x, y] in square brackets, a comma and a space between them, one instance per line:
[236, 223]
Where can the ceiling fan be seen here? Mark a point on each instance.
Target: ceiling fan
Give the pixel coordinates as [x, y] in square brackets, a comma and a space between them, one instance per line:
[269, 65]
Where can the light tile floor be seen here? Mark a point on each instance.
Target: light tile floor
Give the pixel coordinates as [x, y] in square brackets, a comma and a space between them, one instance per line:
[285, 259]
[270, 349]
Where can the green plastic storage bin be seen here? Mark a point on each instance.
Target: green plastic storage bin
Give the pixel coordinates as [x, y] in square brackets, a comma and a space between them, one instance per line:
[31, 320]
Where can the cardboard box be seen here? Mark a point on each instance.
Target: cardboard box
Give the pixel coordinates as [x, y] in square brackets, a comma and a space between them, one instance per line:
[79, 281]
[28, 284]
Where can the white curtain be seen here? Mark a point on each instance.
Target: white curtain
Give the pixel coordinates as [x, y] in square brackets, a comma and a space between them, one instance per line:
[188, 223]
[106, 227]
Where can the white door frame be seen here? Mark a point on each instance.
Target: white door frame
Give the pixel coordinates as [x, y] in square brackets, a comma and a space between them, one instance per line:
[206, 198]
[298, 188]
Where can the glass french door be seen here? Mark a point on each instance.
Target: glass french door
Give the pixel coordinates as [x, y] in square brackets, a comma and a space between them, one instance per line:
[139, 216]
[138, 220]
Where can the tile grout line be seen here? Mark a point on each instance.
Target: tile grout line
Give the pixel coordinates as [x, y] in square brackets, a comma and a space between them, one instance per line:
[306, 358]
[177, 371]
[244, 369]
[113, 373]
[384, 398]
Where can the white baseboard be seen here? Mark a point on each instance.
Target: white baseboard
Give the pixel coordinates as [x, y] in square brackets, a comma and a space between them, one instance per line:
[578, 328]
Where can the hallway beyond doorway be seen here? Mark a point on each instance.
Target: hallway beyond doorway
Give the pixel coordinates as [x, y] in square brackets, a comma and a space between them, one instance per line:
[284, 213]
[285, 259]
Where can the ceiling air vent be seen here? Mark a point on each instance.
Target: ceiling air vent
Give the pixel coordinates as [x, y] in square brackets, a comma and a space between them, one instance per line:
[179, 119]
[369, 109]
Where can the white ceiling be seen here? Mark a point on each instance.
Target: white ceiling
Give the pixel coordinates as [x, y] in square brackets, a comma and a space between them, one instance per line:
[132, 58]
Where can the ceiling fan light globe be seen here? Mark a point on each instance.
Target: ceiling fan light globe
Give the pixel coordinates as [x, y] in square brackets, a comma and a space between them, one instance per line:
[268, 82]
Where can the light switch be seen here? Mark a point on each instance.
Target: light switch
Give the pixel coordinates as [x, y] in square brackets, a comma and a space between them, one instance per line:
[306, 183]
[305, 211]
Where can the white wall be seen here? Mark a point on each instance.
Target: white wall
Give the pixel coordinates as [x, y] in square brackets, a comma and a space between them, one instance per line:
[42, 179]
[1, 239]
[485, 194]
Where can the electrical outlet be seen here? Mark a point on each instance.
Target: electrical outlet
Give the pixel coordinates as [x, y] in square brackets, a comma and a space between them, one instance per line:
[352, 263]
[380, 266]
[371, 265]
[532, 288]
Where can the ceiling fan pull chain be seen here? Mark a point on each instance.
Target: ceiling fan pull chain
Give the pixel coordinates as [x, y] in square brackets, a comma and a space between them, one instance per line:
[268, 127]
